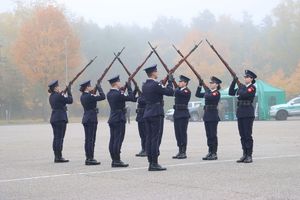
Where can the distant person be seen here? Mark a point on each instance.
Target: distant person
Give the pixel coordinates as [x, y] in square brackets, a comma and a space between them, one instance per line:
[117, 119]
[245, 113]
[90, 119]
[128, 110]
[181, 115]
[59, 118]
[211, 117]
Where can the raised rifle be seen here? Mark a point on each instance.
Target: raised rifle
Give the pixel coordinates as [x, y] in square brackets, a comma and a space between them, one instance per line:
[176, 66]
[106, 70]
[233, 74]
[139, 67]
[74, 79]
[191, 67]
[129, 74]
[137, 70]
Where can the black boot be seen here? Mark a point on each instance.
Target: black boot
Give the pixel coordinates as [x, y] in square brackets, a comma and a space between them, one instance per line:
[213, 155]
[243, 157]
[91, 161]
[248, 158]
[154, 166]
[142, 153]
[176, 156]
[182, 154]
[207, 156]
[118, 162]
[149, 159]
[58, 158]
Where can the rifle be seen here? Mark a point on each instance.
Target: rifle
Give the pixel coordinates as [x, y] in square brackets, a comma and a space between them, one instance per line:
[233, 74]
[128, 73]
[139, 67]
[191, 67]
[74, 79]
[137, 70]
[177, 65]
[105, 71]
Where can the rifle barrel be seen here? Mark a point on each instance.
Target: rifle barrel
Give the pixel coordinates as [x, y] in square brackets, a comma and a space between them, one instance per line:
[139, 67]
[110, 65]
[233, 74]
[159, 58]
[126, 69]
[191, 66]
[77, 75]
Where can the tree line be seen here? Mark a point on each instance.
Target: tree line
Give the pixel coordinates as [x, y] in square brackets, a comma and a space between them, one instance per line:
[43, 41]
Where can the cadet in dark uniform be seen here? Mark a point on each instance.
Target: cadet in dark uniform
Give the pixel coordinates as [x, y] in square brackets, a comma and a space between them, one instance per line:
[153, 93]
[59, 118]
[90, 119]
[117, 119]
[181, 115]
[141, 124]
[245, 113]
[211, 115]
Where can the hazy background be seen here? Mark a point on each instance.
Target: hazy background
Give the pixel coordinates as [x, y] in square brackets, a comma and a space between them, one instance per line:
[41, 39]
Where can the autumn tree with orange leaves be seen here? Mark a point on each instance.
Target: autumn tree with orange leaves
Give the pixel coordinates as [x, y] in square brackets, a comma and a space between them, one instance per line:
[41, 49]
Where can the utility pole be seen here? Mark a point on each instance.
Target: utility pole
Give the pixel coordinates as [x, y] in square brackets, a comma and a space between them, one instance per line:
[66, 59]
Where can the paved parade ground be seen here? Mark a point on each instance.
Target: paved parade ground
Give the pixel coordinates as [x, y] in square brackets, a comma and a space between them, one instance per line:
[27, 170]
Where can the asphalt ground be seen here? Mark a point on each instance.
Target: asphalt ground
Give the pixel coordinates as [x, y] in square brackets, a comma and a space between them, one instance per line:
[27, 170]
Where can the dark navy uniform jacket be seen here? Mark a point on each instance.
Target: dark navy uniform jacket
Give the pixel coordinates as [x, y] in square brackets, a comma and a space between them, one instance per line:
[58, 104]
[153, 93]
[182, 98]
[212, 99]
[140, 108]
[116, 100]
[244, 94]
[89, 103]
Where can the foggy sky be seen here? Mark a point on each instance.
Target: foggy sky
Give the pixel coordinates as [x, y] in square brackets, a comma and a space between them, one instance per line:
[145, 12]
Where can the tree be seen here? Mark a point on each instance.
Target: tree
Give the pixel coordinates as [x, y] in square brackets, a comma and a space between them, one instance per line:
[204, 60]
[278, 79]
[40, 51]
[294, 80]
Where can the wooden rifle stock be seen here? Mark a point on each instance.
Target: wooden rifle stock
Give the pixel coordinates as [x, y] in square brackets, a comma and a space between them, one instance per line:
[129, 74]
[179, 64]
[77, 75]
[233, 74]
[191, 67]
[105, 71]
[137, 70]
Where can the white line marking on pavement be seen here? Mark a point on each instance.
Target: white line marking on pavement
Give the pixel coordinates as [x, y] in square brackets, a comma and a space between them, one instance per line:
[138, 168]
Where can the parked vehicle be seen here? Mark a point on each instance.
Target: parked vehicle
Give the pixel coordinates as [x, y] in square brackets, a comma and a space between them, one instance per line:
[282, 111]
[195, 110]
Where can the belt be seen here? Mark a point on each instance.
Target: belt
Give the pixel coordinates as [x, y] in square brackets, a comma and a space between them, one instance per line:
[63, 109]
[244, 103]
[180, 107]
[140, 110]
[157, 103]
[94, 109]
[119, 110]
[210, 107]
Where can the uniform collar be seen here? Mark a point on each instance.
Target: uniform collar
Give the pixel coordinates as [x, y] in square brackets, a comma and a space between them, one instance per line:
[114, 89]
[151, 79]
[182, 88]
[213, 90]
[248, 84]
